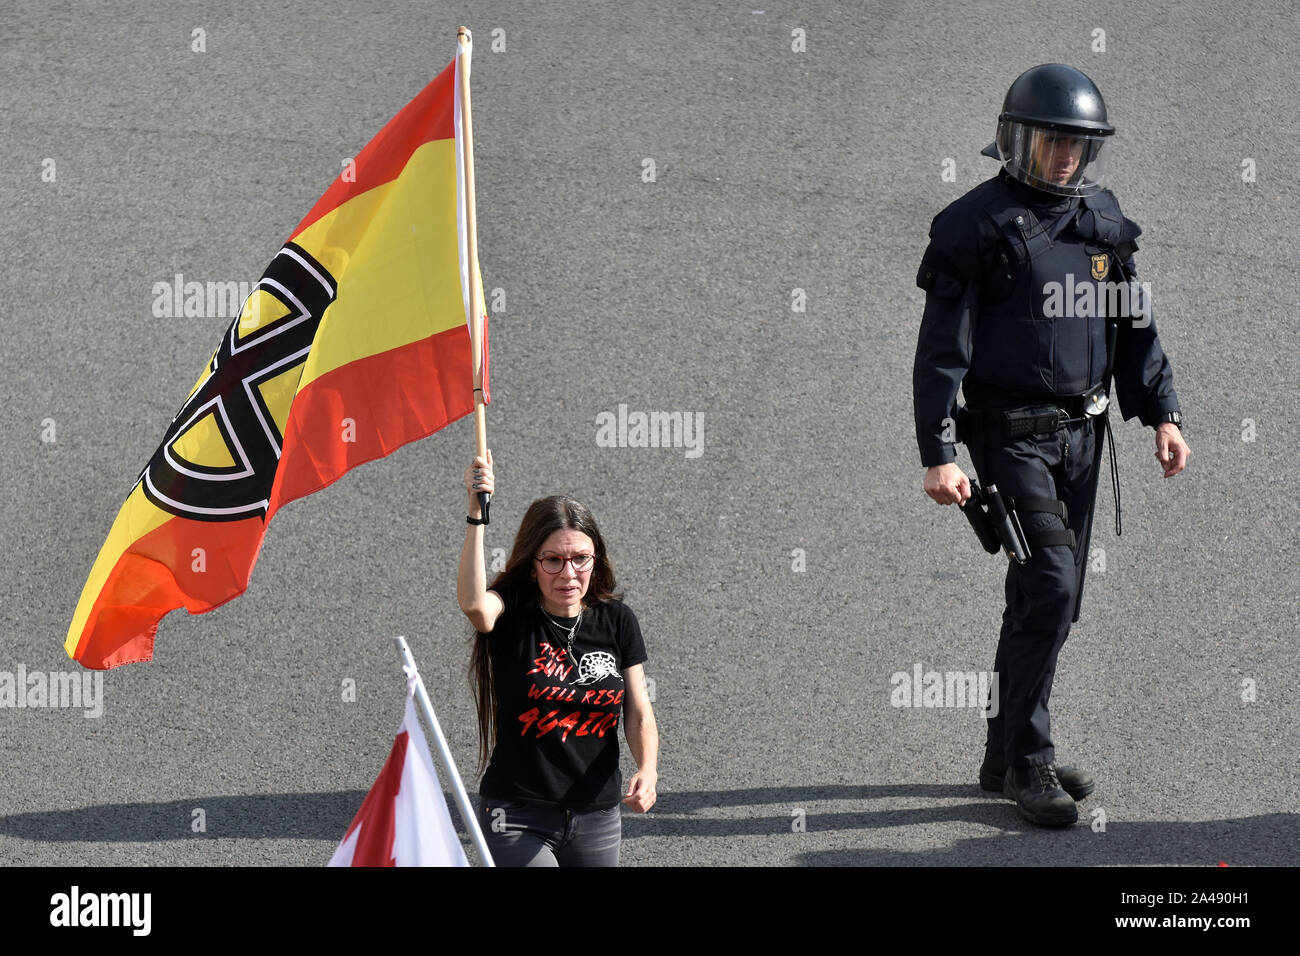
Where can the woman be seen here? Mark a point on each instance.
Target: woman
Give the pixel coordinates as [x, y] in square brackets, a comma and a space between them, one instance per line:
[557, 662]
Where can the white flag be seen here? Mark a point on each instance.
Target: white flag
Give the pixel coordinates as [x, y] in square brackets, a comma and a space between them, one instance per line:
[404, 819]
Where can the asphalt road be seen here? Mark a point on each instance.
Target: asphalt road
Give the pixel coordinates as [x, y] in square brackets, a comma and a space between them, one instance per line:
[784, 573]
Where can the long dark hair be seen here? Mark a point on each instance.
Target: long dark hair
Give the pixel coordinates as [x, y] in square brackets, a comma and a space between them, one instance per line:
[544, 517]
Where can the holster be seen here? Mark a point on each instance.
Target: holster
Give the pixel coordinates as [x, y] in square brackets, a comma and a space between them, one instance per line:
[975, 510]
[996, 523]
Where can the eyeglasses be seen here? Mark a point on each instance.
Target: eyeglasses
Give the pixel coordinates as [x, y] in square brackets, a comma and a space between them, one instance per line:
[553, 564]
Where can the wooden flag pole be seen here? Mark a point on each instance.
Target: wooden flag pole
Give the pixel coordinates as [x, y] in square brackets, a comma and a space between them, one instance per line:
[463, 40]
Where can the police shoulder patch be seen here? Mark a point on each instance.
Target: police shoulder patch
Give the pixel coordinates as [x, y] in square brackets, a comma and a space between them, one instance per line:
[1100, 265]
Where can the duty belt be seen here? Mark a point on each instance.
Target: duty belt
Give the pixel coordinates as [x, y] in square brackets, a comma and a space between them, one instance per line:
[1023, 422]
[1045, 419]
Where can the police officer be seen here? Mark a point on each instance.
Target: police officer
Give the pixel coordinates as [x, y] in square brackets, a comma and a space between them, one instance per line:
[1008, 320]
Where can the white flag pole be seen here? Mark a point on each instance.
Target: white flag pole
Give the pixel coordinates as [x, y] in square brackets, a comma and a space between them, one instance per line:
[467, 812]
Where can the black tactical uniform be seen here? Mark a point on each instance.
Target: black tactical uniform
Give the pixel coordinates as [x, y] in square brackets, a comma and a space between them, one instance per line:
[997, 326]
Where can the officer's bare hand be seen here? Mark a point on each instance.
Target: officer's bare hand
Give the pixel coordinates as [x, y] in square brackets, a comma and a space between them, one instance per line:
[947, 484]
[479, 477]
[1171, 451]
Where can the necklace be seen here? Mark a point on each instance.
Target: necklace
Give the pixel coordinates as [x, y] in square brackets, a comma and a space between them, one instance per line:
[566, 632]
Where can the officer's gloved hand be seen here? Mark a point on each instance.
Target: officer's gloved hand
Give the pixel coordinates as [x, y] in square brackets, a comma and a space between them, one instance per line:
[947, 484]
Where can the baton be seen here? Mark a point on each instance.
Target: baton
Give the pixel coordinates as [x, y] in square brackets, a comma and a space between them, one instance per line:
[1008, 526]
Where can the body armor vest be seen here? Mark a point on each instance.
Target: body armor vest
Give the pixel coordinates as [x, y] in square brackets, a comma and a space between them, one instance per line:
[1040, 331]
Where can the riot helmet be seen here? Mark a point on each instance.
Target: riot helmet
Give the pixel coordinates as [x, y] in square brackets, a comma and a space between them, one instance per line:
[1052, 131]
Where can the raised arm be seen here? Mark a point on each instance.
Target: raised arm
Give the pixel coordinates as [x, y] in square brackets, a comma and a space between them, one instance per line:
[480, 605]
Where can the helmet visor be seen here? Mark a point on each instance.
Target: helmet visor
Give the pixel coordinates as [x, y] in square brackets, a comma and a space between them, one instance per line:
[1067, 163]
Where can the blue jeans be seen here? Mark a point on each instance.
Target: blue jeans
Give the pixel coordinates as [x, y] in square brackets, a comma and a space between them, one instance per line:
[521, 834]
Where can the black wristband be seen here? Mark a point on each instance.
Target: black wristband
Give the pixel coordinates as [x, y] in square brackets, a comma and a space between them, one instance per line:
[476, 520]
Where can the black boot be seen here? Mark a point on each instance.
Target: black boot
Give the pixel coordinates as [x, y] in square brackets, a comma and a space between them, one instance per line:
[1039, 796]
[1077, 783]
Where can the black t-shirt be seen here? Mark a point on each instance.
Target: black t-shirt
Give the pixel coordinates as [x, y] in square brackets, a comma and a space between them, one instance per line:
[557, 712]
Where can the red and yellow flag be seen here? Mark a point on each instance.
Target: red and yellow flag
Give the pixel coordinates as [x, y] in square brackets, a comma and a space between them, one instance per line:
[354, 342]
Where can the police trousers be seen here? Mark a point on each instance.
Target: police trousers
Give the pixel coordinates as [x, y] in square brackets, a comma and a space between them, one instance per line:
[1041, 594]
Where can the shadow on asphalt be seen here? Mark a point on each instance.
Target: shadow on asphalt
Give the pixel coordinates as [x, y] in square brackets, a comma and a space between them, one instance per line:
[1268, 839]
[323, 816]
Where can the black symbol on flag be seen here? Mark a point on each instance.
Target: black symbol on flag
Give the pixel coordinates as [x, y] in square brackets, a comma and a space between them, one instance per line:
[229, 407]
